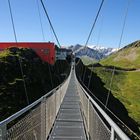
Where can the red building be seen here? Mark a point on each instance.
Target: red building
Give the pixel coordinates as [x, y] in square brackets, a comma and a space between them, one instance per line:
[46, 51]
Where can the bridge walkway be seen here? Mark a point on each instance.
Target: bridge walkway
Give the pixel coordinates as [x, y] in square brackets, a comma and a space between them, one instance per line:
[69, 123]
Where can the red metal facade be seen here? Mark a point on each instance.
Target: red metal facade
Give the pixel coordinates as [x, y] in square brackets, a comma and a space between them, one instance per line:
[46, 51]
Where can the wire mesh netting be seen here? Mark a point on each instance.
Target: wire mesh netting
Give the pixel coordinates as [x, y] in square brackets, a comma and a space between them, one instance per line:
[29, 127]
[35, 123]
[96, 129]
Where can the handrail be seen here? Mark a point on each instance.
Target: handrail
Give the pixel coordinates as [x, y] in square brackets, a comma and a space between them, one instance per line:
[38, 117]
[113, 125]
[27, 108]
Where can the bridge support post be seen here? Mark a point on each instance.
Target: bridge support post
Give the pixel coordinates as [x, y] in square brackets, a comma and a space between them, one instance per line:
[43, 119]
[112, 134]
[55, 103]
[3, 132]
[88, 123]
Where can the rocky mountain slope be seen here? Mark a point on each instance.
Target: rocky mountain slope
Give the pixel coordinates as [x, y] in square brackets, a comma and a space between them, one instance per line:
[92, 51]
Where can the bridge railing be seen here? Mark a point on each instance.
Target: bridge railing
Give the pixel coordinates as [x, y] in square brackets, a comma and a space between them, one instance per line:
[36, 120]
[98, 125]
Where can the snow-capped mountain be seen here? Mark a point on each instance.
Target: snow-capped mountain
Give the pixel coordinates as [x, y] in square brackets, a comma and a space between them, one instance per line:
[92, 51]
[74, 48]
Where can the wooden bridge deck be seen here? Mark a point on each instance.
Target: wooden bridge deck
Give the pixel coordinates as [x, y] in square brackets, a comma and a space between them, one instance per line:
[69, 122]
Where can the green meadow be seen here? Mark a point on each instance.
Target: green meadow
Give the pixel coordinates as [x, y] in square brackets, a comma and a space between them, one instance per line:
[125, 87]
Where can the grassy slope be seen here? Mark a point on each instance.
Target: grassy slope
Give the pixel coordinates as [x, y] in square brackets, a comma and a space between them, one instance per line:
[125, 87]
[88, 60]
[131, 94]
[126, 84]
[4, 53]
[127, 58]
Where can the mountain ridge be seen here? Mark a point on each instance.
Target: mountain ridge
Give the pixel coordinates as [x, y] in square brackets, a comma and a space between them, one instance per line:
[92, 51]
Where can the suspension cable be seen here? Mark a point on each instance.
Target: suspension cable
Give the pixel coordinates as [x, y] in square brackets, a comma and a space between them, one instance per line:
[94, 23]
[15, 36]
[93, 26]
[98, 39]
[40, 20]
[45, 10]
[105, 106]
[119, 45]
[53, 30]
[43, 37]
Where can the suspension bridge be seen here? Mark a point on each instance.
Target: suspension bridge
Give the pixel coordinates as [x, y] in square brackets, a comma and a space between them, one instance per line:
[67, 112]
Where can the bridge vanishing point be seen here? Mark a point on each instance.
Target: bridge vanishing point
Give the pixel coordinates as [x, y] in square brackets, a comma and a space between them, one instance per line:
[65, 113]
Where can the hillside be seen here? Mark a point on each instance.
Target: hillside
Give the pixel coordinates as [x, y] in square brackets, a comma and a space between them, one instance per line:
[125, 87]
[36, 74]
[127, 57]
[126, 79]
[87, 60]
[125, 105]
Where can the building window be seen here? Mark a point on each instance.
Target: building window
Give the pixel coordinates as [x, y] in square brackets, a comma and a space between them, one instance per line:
[46, 51]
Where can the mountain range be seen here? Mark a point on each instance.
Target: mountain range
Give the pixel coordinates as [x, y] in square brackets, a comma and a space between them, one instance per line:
[92, 51]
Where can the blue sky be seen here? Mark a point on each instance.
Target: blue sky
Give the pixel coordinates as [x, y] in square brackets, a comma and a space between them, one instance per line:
[72, 20]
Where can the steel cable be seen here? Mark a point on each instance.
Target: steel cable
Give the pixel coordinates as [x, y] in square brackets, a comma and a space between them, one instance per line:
[55, 35]
[45, 10]
[98, 39]
[43, 37]
[90, 33]
[19, 59]
[93, 25]
[119, 45]
[40, 20]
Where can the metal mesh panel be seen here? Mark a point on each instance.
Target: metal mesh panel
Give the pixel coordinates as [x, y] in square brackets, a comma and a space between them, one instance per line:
[97, 129]
[57, 101]
[85, 111]
[95, 121]
[116, 136]
[50, 113]
[63, 89]
[27, 128]
[37, 122]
